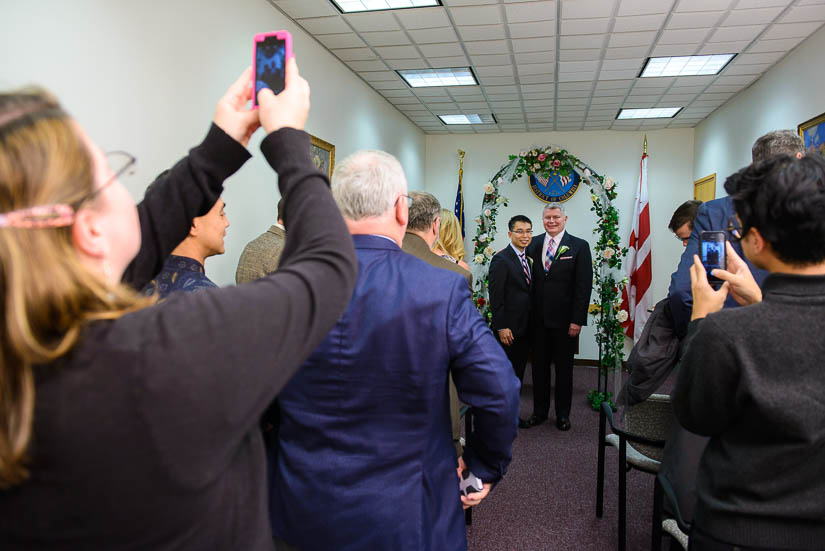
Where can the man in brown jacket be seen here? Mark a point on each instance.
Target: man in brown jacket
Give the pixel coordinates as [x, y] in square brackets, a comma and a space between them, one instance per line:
[261, 255]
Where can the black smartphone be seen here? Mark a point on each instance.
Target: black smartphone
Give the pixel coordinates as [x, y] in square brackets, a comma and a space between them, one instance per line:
[271, 52]
[712, 253]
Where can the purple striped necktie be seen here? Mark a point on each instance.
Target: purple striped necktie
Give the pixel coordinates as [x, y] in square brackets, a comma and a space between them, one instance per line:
[551, 251]
[525, 267]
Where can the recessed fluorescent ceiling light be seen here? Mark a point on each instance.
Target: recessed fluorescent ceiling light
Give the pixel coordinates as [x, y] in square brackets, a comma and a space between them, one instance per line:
[684, 66]
[350, 6]
[654, 113]
[467, 119]
[457, 76]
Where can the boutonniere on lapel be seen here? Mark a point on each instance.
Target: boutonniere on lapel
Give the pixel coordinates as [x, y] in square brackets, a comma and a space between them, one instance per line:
[563, 249]
[530, 261]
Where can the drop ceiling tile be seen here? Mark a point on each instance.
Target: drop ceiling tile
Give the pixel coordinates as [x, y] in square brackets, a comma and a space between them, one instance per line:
[723, 47]
[537, 79]
[585, 9]
[695, 20]
[791, 30]
[486, 60]
[584, 26]
[567, 102]
[354, 54]
[397, 93]
[495, 80]
[501, 89]
[525, 12]
[405, 102]
[385, 38]
[378, 76]
[697, 111]
[770, 57]
[484, 47]
[482, 32]
[683, 36]
[536, 68]
[642, 7]
[507, 110]
[452, 61]
[433, 36]
[723, 89]
[301, 8]
[631, 104]
[619, 64]
[645, 38]
[680, 98]
[704, 5]
[467, 93]
[682, 89]
[372, 21]
[730, 34]
[538, 29]
[495, 71]
[655, 82]
[698, 104]
[802, 14]
[398, 52]
[537, 88]
[539, 103]
[535, 57]
[625, 53]
[441, 49]
[639, 23]
[580, 55]
[576, 86]
[567, 94]
[513, 127]
[510, 117]
[346, 40]
[604, 112]
[538, 95]
[325, 25]
[747, 69]
[666, 50]
[398, 64]
[505, 104]
[581, 42]
[647, 98]
[423, 18]
[390, 85]
[523, 45]
[752, 17]
[476, 15]
[780, 45]
[716, 97]
[474, 105]
[583, 76]
[577, 66]
[735, 79]
[749, 4]
[606, 100]
[369, 65]
[596, 126]
[613, 85]
[503, 97]
[618, 75]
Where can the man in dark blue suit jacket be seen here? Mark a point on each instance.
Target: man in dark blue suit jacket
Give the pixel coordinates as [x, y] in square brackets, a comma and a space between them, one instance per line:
[365, 453]
[719, 215]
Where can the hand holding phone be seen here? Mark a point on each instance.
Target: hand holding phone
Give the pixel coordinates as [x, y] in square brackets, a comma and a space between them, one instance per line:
[713, 254]
[270, 54]
[290, 108]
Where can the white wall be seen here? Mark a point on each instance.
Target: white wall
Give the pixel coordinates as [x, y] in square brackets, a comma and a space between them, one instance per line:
[787, 95]
[612, 153]
[145, 76]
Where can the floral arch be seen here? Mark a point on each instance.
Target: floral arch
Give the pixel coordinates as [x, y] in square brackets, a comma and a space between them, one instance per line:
[608, 254]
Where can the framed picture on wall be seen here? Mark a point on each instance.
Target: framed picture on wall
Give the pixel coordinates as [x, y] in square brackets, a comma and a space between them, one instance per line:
[704, 189]
[812, 133]
[323, 155]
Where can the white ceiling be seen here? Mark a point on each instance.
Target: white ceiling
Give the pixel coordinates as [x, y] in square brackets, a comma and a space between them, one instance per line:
[559, 64]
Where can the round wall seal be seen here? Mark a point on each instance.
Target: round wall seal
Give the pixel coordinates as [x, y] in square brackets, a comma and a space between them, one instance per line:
[556, 188]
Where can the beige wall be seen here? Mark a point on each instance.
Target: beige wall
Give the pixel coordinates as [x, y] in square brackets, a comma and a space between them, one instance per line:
[145, 76]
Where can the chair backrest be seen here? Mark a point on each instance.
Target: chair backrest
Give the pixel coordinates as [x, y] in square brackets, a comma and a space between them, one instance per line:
[650, 419]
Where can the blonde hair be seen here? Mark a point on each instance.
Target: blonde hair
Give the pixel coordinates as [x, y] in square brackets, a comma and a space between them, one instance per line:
[449, 237]
[47, 295]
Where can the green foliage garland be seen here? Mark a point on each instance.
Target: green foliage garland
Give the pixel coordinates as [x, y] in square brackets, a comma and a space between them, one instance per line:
[608, 253]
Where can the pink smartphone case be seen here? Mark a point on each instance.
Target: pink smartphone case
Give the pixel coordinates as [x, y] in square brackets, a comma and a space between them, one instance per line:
[286, 36]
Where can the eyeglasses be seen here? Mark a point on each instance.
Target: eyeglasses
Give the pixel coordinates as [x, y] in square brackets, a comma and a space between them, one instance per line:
[523, 232]
[121, 164]
[409, 199]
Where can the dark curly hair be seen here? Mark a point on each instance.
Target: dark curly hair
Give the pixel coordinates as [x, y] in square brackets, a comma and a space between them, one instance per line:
[784, 198]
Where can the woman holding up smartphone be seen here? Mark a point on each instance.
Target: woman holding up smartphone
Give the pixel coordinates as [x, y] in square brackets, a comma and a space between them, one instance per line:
[123, 426]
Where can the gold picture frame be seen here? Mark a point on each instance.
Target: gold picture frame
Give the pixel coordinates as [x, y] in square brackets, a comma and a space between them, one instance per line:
[323, 155]
[812, 132]
[704, 189]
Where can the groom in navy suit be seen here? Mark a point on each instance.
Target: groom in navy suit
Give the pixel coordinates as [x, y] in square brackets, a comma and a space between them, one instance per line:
[365, 451]
[562, 281]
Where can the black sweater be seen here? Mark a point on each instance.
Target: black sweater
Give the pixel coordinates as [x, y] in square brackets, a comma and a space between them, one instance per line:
[753, 379]
[146, 435]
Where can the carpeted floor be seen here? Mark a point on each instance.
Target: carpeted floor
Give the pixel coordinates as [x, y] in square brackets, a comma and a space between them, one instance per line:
[547, 500]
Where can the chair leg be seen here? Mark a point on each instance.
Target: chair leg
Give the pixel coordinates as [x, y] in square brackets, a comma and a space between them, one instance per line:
[600, 467]
[622, 493]
[468, 428]
[656, 529]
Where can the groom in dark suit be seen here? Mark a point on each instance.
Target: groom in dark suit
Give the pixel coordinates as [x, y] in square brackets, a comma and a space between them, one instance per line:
[562, 281]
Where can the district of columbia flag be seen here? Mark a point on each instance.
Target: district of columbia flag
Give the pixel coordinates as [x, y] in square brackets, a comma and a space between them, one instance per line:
[636, 300]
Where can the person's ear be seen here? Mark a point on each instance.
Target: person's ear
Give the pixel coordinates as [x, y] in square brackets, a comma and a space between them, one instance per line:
[87, 233]
[757, 240]
[194, 229]
[402, 212]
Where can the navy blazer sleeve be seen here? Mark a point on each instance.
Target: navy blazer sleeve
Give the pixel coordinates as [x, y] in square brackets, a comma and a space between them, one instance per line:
[681, 297]
[486, 382]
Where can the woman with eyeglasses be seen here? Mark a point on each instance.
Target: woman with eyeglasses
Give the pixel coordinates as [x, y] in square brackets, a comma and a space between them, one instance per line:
[123, 426]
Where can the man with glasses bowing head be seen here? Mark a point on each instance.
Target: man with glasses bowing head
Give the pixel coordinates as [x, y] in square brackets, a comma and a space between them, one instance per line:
[562, 281]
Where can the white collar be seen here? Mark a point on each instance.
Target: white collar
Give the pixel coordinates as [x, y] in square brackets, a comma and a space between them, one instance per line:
[524, 252]
[557, 239]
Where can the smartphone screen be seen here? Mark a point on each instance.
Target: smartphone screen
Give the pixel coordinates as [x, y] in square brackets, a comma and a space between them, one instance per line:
[712, 249]
[270, 64]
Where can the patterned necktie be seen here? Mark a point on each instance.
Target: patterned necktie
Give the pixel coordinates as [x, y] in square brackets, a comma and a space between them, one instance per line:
[551, 251]
[525, 267]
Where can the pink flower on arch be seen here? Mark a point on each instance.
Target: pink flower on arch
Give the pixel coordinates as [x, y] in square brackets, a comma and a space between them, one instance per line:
[542, 156]
[556, 163]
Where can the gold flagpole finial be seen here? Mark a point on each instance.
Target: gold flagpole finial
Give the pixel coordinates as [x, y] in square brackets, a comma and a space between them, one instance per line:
[645, 144]
[461, 153]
